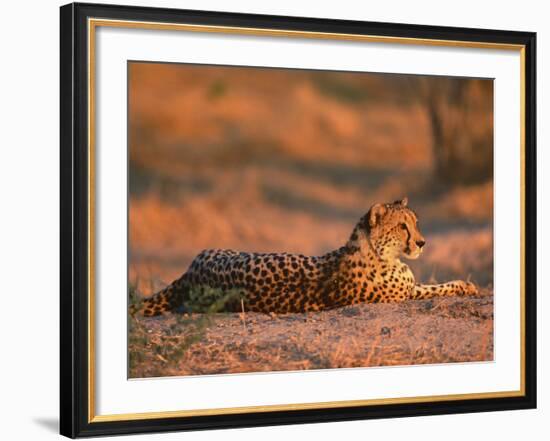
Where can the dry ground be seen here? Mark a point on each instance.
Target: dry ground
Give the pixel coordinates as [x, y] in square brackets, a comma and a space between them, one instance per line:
[416, 332]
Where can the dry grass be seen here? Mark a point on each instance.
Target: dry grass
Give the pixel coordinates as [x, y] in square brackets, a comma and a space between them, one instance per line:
[445, 330]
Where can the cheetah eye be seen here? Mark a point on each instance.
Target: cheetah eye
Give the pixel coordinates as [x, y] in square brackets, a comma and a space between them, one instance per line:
[403, 226]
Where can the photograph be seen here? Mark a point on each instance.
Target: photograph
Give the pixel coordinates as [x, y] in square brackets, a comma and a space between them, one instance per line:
[291, 219]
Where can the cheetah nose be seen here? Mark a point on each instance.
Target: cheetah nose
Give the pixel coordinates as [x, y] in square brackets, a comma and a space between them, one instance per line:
[420, 243]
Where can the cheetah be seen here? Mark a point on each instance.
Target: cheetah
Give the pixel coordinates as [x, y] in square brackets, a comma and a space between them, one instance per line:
[367, 269]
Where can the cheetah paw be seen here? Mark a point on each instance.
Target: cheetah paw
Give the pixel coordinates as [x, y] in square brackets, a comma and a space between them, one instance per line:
[468, 289]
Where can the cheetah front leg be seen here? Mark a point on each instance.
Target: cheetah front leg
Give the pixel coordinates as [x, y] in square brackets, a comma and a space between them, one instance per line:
[453, 288]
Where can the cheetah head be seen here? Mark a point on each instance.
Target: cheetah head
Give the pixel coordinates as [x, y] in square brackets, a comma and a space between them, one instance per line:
[393, 230]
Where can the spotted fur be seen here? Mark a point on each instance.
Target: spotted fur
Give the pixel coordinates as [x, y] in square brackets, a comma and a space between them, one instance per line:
[367, 269]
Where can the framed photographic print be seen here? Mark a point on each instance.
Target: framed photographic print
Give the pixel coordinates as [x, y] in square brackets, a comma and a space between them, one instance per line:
[273, 220]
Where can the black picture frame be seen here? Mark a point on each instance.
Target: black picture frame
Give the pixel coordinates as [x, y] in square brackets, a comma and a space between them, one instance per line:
[74, 191]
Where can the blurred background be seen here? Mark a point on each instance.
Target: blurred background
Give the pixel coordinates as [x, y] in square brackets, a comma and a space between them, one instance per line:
[271, 160]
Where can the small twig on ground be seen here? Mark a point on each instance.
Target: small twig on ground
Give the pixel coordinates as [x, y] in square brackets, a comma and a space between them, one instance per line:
[375, 344]
[243, 316]
[161, 358]
[436, 307]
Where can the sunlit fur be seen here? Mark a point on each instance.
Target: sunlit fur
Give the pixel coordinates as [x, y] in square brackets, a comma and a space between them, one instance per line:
[367, 269]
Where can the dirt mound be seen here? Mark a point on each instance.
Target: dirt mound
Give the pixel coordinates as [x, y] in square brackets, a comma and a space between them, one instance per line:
[442, 330]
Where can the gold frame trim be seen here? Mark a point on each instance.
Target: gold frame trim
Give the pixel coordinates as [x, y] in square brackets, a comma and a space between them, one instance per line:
[92, 25]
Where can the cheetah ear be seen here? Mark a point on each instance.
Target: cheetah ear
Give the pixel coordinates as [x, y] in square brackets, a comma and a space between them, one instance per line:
[375, 213]
[405, 201]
